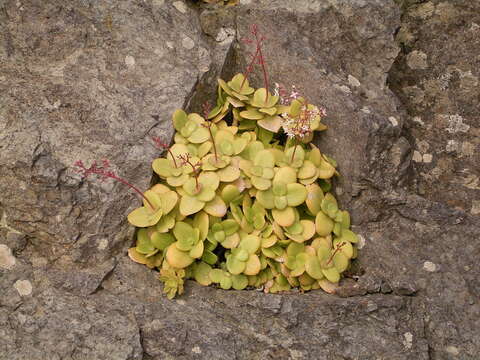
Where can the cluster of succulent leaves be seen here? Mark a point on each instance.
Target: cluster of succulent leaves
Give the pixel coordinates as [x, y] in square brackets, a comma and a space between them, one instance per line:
[256, 213]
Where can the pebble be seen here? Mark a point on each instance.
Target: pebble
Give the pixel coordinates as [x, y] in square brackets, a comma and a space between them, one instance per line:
[475, 210]
[197, 350]
[418, 120]
[427, 158]
[452, 350]
[180, 6]
[455, 124]
[353, 81]
[417, 157]
[417, 60]
[451, 146]
[393, 121]
[129, 61]
[361, 242]
[408, 340]
[102, 245]
[24, 287]
[371, 306]
[429, 266]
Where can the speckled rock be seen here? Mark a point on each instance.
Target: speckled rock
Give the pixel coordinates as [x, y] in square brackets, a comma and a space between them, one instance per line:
[55, 325]
[88, 80]
[438, 80]
[95, 79]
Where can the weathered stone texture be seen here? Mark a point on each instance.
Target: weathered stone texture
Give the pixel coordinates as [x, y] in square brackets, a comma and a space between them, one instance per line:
[91, 79]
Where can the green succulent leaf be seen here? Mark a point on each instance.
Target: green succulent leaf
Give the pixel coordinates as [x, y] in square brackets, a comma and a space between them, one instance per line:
[201, 273]
[162, 240]
[250, 243]
[331, 274]
[324, 225]
[179, 119]
[262, 100]
[144, 244]
[240, 85]
[230, 226]
[239, 282]
[234, 265]
[144, 216]
[190, 205]
[313, 268]
[230, 193]
[296, 194]
[187, 237]
[264, 159]
[177, 258]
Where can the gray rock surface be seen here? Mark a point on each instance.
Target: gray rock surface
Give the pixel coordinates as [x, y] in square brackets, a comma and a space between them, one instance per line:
[89, 80]
[436, 77]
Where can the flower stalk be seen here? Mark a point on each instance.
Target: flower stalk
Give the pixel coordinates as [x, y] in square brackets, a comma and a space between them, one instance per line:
[186, 160]
[159, 144]
[208, 124]
[103, 172]
[257, 57]
[337, 249]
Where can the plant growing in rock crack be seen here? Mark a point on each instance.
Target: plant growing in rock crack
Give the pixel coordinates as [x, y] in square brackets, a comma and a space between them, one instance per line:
[157, 201]
[244, 197]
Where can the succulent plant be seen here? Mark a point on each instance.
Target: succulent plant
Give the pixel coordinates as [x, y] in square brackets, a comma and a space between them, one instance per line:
[173, 281]
[244, 199]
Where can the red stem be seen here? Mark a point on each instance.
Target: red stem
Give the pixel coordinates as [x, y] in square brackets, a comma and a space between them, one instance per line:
[104, 173]
[173, 157]
[262, 62]
[294, 149]
[336, 250]
[113, 176]
[196, 172]
[249, 68]
[197, 186]
[213, 142]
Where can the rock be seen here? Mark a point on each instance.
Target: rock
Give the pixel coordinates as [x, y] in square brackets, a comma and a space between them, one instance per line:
[14, 240]
[58, 326]
[443, 114]
[446, 76]
[349, 287]
[13, 283]
[419, 233]
[80, 281]
[95, 79]
[263, 325]
[24, 287]
[98, 89]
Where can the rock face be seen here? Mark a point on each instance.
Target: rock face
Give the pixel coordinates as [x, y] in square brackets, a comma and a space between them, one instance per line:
[92, 80]
[437, 80]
